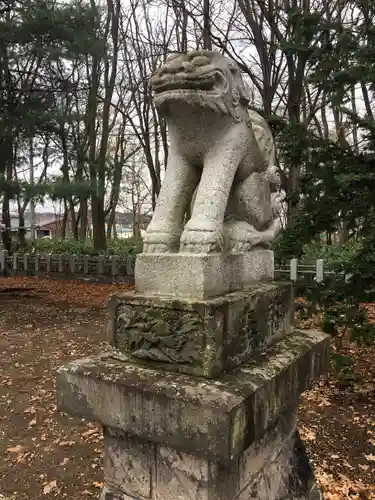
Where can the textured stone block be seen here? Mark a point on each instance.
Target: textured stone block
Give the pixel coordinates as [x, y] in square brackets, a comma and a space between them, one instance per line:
[265, 450]
[201, 276]
[271, 468]
[128, 464]
[214, 419]
[202, 337]
[180, 475]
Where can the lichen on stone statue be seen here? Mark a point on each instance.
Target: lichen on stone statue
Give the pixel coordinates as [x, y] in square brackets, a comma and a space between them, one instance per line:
[221, 161]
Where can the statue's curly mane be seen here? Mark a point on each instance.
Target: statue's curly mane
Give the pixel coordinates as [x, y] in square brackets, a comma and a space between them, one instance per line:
[263, 135]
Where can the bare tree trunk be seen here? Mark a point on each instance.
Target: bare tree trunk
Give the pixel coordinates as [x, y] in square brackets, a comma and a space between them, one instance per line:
[31, 180]
[119, 161]
[367, 101]
[97, 163]
[355, 127]
[207, 43]
[64, 225]
[68, 200]
[6, 138]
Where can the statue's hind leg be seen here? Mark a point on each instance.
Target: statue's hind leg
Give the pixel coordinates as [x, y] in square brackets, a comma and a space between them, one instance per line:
[250, 201]
[240, 236]
[250, 216]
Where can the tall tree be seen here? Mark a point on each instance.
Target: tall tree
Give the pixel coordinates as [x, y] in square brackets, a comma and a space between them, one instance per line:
[32, 34]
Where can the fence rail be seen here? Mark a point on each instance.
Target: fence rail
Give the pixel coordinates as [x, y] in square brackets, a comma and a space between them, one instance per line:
[111, 267]
[316, 271]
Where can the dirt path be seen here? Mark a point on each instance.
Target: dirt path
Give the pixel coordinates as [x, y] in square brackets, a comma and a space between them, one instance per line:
[48, 455]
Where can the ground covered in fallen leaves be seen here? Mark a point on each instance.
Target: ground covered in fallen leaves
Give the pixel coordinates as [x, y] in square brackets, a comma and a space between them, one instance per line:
[48, 455]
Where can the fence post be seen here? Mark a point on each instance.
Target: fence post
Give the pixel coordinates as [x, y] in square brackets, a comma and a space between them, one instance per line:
[293, 269]
[15, 261]
[114, 259]
[130, 264]
[60, 264]
[3, 261]
[319, 271]
[36, 262]
[72, 259]
[100, 268]
[48, 262]
[26, 262]
[86, 259]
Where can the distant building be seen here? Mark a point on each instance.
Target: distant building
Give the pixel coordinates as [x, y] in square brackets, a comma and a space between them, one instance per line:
[50, 225]
[46, 225]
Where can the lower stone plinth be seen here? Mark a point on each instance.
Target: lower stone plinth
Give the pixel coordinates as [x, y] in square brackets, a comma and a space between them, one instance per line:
[275, 467]
[201, 276]
[173, 436]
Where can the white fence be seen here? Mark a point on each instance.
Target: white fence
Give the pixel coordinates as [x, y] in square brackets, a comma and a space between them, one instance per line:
[119, 268]
[110, 267]
[317, 270]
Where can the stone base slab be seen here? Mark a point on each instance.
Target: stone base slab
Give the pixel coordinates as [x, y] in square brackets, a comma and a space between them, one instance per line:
[201, 276]
[212, 419]
[275, 467]
[200, 337]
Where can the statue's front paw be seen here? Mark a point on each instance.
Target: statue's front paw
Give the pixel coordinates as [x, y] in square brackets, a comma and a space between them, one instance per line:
[201, 241]
[157, 242]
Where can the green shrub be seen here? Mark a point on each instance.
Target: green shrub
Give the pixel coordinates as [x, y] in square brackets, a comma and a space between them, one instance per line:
[341, 300]
[337, 256]
[122, 247]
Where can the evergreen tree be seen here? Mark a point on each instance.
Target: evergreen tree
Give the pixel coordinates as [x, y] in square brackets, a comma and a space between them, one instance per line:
[36, 37]
[338, 181]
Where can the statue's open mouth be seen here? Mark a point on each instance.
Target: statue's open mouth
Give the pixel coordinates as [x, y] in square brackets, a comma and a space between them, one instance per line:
[209, 82]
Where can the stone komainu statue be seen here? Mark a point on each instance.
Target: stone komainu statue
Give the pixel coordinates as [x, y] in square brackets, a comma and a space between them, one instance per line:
[220, 163]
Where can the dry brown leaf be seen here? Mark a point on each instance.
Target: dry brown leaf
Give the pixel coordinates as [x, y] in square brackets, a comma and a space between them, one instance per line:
[66, 443]
[324, 402]
[364, 467]
[89, 432]
[15, 449]
[21, 457]
[31, 410]
[330, 496]
[308, 435]
[48, 488]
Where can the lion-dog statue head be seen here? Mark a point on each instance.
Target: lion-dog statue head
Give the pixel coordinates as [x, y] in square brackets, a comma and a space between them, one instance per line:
[202, 78]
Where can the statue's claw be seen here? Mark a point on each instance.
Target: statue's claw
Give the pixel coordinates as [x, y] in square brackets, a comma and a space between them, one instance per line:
[155, 248]
[196, 241]
[155, 242]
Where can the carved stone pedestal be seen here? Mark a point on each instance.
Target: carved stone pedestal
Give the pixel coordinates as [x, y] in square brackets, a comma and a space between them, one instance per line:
[175, 436]
[198, 394]
[201, 337]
